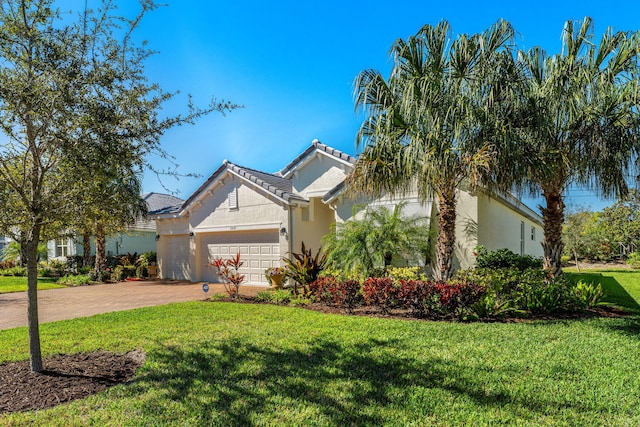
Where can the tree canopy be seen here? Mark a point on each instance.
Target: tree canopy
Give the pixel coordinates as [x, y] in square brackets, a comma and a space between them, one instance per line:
[424, 126]
[75, 108]
[575, 122]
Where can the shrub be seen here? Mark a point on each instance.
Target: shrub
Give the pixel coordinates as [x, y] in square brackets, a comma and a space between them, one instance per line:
[58, 266]
[491, 305]
[588, 295]
[78, 280]
[347, 294]
[547, 297]
[382, 292]
[16, 271]
[229, 271]
[421, 297]
[405, 273]
[321, 289]
[633, 260]
[504, 258]
[116, 274]
[5, 265]
[457, 296]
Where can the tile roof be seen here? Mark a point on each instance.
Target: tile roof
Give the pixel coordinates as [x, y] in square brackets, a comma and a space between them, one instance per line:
[157, 203]
[316, 145]
[274, 184]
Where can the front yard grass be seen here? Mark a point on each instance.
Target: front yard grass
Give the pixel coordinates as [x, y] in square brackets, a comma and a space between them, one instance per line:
[19, 284]
[250, 364]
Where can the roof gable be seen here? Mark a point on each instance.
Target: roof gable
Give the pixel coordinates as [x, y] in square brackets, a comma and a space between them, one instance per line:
[315, 147]
[276, 186]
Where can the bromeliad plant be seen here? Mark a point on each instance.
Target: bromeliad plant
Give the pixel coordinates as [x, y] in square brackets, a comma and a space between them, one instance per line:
[229, 271]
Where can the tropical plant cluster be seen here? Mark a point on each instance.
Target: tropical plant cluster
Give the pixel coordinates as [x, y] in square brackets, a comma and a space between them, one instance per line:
[504, 284]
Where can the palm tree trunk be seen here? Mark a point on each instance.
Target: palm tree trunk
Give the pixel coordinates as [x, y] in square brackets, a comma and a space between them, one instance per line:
[552, 219]
[101, 258]
[446, 235]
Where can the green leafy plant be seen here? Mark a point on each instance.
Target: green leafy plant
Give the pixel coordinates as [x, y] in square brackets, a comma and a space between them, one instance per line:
[504, 258]
[405, 273]
[304, 268]
[588, 294]
[633, 260]
[74, 280]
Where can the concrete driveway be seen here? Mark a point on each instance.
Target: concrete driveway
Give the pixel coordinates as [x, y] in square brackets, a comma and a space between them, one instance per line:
[81, 301]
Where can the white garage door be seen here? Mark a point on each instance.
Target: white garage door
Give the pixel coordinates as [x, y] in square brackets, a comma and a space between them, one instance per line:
[258, 249]
[175, 263]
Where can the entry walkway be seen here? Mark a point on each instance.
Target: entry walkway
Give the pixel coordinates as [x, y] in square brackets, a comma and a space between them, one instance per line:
[82, 301]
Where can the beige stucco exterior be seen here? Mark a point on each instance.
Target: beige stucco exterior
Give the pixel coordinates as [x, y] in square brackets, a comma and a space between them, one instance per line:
[268, 216]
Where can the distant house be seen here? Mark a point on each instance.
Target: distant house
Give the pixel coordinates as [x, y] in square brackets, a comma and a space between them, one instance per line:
[4, 242]
[140, 237]
[266, 216]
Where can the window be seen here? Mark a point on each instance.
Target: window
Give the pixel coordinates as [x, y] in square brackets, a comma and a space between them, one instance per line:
[522, 238]
[62, 248]
[533, 233]
[233, 198]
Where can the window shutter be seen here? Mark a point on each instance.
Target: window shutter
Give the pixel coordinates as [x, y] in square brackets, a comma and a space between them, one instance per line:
[233, 198]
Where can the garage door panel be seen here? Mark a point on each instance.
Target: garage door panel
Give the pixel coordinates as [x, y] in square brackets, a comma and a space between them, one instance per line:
[259, 250]
[176, 260]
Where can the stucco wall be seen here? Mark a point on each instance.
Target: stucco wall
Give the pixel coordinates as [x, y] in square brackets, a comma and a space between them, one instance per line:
[311, 225]
[501, 228]
[467, 222]
[318, 175]
[254, 209]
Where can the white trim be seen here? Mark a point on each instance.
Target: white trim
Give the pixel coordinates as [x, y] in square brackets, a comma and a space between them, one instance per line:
[303, 162]
[244, 227]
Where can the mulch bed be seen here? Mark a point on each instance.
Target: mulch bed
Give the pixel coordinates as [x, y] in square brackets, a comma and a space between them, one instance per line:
[67, 377]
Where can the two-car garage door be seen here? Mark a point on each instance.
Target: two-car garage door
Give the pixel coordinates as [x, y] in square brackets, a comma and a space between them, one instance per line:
[258, 249]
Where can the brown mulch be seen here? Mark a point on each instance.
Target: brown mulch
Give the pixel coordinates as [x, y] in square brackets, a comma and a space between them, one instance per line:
[66, 377]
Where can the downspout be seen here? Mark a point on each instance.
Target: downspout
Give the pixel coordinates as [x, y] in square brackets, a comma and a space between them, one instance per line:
[290, 228]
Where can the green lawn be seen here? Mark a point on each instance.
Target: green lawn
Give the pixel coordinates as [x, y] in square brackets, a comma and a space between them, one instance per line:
[19, 284]
[234, 364]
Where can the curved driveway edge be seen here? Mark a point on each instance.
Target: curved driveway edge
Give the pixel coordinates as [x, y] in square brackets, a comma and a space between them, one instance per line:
[82, 301]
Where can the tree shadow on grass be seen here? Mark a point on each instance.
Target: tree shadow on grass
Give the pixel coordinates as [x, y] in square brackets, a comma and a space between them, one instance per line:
[614, 293]
[234, 382]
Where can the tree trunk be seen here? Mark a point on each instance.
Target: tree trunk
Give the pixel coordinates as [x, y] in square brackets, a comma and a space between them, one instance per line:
[446, 236]
[30, 245]
[86, 250]
[101, 258]
[552, 220]
[22, 262]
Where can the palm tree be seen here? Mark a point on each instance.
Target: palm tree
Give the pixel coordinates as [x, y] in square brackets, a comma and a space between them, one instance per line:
[578, 124]
[424, 126]
[370, 244]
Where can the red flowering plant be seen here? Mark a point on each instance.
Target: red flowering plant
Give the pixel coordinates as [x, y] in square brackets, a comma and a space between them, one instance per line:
[229, 271]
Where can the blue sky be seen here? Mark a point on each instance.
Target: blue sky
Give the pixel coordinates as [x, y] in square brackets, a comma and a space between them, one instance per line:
[292, 65]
